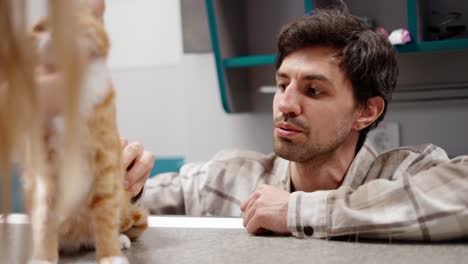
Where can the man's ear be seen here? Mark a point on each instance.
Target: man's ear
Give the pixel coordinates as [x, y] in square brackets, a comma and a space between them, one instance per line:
[369, 112]
[97, 7]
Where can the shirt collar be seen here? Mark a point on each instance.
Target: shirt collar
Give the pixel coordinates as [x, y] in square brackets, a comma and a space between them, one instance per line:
[362, 162]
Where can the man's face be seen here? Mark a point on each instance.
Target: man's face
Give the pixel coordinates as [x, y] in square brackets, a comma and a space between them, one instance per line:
[314, 107]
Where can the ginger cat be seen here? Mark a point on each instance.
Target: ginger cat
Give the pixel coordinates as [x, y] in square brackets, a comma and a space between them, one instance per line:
[92, 210]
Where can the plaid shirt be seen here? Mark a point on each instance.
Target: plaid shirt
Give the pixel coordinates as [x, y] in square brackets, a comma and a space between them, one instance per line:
[408, 193]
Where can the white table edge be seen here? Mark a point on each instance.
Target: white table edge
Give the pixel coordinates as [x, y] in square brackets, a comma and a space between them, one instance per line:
[163, 221]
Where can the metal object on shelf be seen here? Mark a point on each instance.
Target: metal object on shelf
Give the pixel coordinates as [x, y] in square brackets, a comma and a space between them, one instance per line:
[449, 26]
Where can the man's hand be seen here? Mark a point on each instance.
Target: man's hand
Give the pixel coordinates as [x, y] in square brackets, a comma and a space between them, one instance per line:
[138, 163]
[266, 210]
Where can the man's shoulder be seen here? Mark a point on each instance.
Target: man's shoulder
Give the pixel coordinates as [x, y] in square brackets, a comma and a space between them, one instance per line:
[411, 158]
[420, 150]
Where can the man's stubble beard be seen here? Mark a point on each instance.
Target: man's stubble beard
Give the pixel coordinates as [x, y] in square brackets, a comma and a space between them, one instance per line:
[309, 150]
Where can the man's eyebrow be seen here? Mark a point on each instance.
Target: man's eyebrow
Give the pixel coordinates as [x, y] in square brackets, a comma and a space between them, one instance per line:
[318, 77]
[310, 77]
[282, 75]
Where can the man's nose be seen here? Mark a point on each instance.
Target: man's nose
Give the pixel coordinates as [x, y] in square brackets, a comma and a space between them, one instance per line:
[289, 103]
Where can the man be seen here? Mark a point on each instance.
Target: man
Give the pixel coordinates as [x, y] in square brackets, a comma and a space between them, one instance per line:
[335, 77]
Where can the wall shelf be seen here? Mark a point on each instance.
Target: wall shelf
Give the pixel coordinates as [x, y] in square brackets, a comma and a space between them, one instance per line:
[243, 34]
[423, 46]
[436, 45]
[249, 61]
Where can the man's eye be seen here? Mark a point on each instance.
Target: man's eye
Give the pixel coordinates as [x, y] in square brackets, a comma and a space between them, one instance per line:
[281, 86]
[312, 91]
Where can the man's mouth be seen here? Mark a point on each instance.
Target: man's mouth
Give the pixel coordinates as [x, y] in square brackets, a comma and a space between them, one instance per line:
[284, 129]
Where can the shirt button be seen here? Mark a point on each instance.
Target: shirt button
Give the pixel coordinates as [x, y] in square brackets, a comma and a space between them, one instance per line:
[308, 231]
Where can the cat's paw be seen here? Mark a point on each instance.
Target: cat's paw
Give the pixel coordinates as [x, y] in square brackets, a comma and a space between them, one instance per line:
[114, 260]
[124, 241]
[32, 261]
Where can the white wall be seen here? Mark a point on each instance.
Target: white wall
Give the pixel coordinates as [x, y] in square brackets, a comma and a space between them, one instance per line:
[168, 101]
[176, 110]
[143, 33]
[442, 123]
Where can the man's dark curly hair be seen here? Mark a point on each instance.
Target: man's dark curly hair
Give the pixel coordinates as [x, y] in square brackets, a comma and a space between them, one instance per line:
[367, 57]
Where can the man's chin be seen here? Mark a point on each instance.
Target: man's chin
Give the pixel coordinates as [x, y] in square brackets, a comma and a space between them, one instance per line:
[286, 141]
[286, 152]
[288, 156]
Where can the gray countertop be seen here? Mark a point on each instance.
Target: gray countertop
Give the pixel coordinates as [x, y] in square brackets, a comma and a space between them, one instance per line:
[231, 244]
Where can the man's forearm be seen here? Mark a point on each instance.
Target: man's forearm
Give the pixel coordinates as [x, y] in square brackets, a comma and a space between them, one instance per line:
[429, 205]
[163, 195]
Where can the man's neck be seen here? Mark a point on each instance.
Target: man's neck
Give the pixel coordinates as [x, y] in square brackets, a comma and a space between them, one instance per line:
[324, 172]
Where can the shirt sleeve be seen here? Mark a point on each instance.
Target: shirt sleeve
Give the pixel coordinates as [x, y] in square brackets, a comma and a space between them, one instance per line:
[176, 193]
[429, 205]
[163, 194]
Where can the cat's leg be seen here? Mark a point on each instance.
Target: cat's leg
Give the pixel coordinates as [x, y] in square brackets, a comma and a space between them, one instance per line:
[106, 215]
[135, 223]
[124, 241]
[114, 260]
[44, 221]
[40, 262]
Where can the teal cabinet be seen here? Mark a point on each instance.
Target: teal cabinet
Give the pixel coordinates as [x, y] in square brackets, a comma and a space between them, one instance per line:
[167, 164]
[16, 201]
[243, 35]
